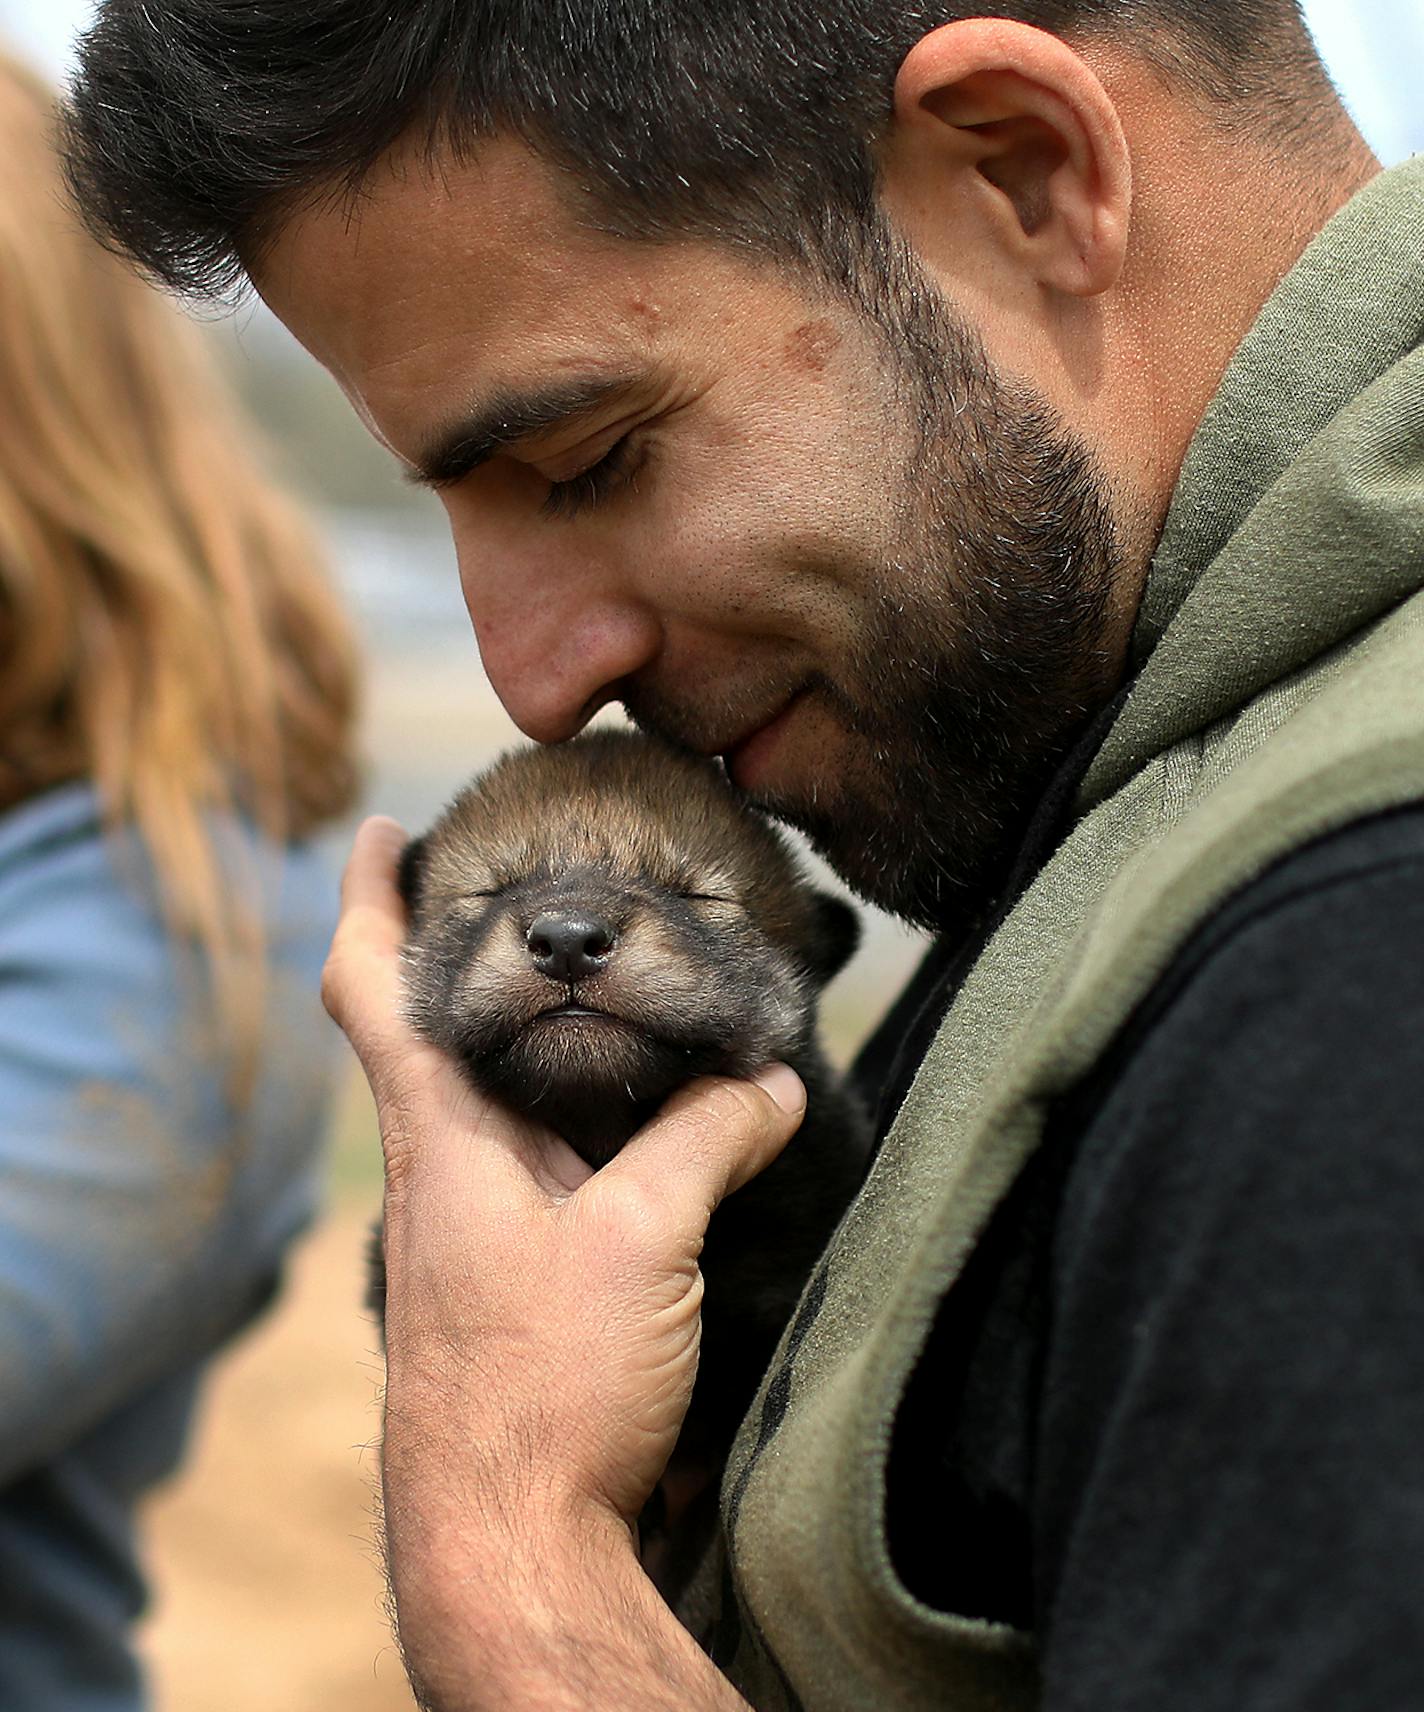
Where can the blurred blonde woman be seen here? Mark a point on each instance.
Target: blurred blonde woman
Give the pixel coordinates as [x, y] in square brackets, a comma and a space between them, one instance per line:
[175, 723]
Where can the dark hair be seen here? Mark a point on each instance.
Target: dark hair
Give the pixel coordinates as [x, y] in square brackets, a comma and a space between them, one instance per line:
[196, 125]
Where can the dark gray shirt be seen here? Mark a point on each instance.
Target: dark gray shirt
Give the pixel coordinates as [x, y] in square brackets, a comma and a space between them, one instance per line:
[1172, 1416]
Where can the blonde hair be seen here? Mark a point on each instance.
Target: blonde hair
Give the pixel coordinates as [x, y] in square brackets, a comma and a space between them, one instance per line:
[164, 631]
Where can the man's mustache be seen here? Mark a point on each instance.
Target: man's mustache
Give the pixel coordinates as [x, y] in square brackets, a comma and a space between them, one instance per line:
[719, 721]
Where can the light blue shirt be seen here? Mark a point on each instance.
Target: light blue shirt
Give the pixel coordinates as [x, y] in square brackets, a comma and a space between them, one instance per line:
[142, 1221]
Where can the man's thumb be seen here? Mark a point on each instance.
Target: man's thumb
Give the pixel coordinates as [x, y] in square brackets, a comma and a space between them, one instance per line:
[713, 1136]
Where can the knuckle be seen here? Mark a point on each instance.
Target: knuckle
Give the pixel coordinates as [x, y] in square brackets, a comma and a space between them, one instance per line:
[339, 988]
[400, 1161]
[402, 1131]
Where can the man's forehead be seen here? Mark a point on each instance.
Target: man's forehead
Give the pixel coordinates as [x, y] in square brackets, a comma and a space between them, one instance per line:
[478, 262]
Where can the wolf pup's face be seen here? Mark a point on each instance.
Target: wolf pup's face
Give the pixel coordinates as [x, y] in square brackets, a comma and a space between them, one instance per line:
[594, 924]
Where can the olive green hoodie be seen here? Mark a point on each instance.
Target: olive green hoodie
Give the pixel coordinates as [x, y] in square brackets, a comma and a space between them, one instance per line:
[1280, 696]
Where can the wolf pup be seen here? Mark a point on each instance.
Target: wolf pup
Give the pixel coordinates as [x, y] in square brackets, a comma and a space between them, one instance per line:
[593, 924]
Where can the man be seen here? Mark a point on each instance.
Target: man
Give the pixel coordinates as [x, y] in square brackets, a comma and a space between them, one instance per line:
[1000, 440]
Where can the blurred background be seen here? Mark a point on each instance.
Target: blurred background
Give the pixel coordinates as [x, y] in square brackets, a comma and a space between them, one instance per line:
[269, 1589]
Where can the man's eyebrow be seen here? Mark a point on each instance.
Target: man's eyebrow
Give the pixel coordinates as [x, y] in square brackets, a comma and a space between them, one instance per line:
[507, 418]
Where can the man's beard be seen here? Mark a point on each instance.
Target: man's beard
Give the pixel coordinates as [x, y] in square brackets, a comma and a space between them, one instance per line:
[984, 643]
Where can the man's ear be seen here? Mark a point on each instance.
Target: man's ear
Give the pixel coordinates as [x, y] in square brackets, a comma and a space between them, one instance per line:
[1003, 136]
[410, 874]
[835, 937]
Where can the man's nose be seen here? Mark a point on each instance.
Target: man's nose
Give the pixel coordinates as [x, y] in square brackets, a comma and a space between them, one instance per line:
[557, 644]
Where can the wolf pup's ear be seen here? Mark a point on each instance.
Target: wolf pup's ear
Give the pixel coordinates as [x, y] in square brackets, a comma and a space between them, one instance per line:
[410, 874]
[835, 937]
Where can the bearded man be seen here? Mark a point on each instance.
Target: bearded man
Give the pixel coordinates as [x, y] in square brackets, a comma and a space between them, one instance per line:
[1001, 440]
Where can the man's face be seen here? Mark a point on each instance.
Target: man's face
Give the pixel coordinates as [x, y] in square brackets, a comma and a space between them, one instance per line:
[831, 546]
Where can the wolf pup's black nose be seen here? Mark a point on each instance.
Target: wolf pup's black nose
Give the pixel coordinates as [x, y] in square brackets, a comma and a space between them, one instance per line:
[569, 945]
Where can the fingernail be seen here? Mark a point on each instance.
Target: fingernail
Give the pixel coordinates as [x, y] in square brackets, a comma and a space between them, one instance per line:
[783, 1084]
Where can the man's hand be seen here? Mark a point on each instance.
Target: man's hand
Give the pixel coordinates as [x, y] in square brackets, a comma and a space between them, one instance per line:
[541, 1319]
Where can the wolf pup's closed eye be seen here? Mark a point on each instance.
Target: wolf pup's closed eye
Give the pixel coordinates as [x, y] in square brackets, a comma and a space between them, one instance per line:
[593, 924]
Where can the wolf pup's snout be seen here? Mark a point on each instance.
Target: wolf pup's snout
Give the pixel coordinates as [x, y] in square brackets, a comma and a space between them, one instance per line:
[570, 945]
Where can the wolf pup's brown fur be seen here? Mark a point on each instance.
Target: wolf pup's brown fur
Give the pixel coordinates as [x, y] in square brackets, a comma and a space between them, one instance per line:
[593, 924]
